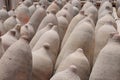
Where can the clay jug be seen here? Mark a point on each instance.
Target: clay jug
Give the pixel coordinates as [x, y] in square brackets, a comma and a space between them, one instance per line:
[22, 13]
[105, 19]
[107, 64]
[8, 39]
[28, 3]
[49, 18]
[68, 74]
[76, 3]
[72, 25]
[16, 63]
[103, 6]
[81, 37]
[86, 5]
[89, 17]
[62, 26]
[28, 28]
[63, 12]
[3, 13]
[107, 10]
[42, 63]
[37, 17]
[32, 9]
[39, 34]
[69, 8]
[101, 37]
[44, 3]
[11, 12]
[92, 10]
[61, 3]
[53, 6]
[76, 10]
[78, 59]
[10, 23]
[50, 37]
[76, 6]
